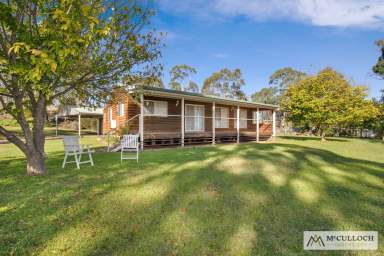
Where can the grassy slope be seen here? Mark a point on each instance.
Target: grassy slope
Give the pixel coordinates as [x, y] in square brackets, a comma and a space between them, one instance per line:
[229, 199]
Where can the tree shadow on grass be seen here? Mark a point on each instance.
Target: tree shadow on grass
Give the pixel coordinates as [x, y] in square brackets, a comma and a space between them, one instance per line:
[378, 141]
[313, 138]
[225, 200]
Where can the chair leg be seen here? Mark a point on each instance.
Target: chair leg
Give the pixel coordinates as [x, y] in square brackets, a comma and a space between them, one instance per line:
[90, 157]
[77, 161]
[65, 160]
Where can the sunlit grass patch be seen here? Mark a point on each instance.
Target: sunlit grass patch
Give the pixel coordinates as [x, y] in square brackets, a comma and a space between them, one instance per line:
[234, 199]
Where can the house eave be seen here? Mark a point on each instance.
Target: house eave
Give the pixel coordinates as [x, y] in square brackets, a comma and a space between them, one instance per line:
[202, 98]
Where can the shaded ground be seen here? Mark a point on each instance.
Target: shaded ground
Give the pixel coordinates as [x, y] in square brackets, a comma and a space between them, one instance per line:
[225, 200]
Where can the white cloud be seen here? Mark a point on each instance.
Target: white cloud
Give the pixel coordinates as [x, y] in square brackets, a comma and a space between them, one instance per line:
[338, 13]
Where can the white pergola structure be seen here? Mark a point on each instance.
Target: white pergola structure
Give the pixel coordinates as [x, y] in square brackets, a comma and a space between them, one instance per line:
[82, 112]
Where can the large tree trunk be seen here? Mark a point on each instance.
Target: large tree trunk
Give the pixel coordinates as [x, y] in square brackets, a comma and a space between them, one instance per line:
[322, 135]
[36, 159]
[35, 164]
[34, 139]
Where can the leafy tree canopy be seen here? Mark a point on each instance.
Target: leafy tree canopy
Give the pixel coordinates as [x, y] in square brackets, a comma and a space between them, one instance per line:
[325, 100]
[379, 67]
[377, 123]
[50, 48]
[137, 80]
[283, 77]
[225, 83]
[266, 95]
[181, 78]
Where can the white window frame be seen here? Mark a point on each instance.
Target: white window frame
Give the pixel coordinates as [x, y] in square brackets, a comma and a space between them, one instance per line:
[243, 123]
[263, 114]
[219, 120]
[120, 109]
[186, 116]
[154, 108]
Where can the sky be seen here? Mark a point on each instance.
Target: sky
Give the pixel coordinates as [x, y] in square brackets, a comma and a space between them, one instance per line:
[261, 36]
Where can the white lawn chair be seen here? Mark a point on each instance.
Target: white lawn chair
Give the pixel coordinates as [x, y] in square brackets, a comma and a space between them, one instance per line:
[129, 143]
[72, 147]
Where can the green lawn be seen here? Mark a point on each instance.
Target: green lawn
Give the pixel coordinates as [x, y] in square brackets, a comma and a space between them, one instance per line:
[222, 200]
[49, 131]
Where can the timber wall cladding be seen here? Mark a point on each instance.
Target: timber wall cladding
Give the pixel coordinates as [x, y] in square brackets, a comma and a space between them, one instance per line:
[172, 123]
[114, 105]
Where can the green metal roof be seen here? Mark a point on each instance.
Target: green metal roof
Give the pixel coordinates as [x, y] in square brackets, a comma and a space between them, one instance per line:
[200, 95]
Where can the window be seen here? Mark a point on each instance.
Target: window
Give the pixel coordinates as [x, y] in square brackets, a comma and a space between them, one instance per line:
[264, 116]
[120, 109]
[255, 117]
[221, 118]
[155, 108]
[243, 119]
[194, 118]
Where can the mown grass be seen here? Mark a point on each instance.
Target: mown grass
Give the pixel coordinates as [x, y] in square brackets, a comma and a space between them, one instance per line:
[49, 131]
[247, 199]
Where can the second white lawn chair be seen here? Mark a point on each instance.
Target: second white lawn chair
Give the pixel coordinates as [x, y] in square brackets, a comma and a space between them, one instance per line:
[129, 143]
[73, 148]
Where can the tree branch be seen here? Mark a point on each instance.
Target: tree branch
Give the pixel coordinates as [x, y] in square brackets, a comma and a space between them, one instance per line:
[13, 138]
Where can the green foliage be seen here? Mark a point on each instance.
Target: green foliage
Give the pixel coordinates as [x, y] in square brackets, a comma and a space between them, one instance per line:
[73, 46]
[54, 48]
[192, 87]
[225, 83]
[325, 100]
[124, 130]
[359, 110]
[151, 81]
[266, 95]
[379, 67]
[377, 123]
[181, 78]
[283, 77]
[8, 121]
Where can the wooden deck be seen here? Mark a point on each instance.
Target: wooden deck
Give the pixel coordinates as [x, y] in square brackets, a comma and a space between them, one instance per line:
[161, 139]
